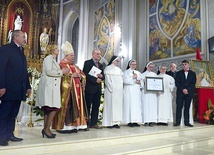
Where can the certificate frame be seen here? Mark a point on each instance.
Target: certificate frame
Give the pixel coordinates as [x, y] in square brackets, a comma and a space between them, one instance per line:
[154, 84]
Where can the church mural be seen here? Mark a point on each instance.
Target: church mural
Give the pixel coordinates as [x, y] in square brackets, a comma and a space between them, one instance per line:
[174, 28]
[104, 29]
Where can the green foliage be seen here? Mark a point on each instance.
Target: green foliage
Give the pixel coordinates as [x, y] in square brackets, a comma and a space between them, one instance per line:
[38, 111]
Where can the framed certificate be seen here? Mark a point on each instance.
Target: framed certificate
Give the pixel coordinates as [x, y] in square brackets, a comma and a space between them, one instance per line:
[154, 84]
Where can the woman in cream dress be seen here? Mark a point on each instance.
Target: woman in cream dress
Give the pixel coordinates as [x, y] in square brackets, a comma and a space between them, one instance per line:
[48, 95]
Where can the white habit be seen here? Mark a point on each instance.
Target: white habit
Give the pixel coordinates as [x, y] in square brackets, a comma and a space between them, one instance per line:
[113, 96]
[149, 101]
[165, 113]
[132, 97]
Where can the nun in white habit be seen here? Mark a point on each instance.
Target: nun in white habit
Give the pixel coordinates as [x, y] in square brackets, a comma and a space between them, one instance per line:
[113, 94]
[165, 115]
[149, 98]
[132, 95]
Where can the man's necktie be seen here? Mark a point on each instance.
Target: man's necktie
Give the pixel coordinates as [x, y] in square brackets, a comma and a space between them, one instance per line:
[97, 65]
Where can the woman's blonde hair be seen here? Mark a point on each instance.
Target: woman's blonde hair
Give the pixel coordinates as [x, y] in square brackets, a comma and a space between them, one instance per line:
[53, 47]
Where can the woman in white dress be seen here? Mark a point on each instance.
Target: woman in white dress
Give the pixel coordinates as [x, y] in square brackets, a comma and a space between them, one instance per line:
[132, 95]
[149, 98]
[113, 94]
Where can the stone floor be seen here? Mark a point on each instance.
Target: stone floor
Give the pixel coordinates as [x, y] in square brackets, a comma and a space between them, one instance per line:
[198, 140]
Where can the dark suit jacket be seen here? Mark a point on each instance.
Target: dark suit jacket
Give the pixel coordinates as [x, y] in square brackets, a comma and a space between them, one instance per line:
[13, 72]
[182, 83]
[172, 74]
[91, 85]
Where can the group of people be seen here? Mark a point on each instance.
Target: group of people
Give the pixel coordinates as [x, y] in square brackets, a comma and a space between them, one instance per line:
[70, 97]
[127, 100]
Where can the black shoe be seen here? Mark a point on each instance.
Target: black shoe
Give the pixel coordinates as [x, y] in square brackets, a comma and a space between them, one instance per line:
[48, 136]
[189, 125]
[53, 134]
[72, 131]
[130, 125]
[14, 139]
[146, 124]
[136, 124]
[62, 131]
[86, 129]
[3, 143]
[176, 124]
[116, 126]
[151, 125]
[163, 124]
[110, 127]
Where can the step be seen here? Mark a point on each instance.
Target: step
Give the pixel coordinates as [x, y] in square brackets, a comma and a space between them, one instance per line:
[161, 142]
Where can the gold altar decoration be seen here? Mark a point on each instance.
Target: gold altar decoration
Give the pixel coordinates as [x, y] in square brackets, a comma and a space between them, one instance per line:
[34, 18]
[31, 124]
[17, 10]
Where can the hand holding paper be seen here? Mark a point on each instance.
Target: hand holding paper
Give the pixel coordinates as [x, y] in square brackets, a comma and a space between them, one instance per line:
[94, 71]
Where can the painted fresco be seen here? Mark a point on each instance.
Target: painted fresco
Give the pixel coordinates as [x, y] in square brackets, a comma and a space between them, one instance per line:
[152, 6]
[174, 28]
[104, 29]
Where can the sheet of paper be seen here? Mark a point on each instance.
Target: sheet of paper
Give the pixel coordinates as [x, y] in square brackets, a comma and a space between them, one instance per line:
[94, 71]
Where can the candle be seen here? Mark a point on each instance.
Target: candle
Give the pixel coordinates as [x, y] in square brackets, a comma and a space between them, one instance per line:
[32, 87]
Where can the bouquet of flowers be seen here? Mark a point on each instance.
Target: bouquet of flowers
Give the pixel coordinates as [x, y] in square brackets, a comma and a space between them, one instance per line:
[100, 116]
[34, 76]
[209, 114]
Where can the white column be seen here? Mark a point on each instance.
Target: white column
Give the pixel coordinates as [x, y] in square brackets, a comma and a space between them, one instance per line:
[142, 35]
[128, 31]
[83, 32]
[60, 56]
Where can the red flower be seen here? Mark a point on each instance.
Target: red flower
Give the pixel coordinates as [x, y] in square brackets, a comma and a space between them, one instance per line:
[206, 117]
[208, 112]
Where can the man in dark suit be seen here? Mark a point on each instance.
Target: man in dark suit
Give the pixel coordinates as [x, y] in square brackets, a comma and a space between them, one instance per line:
[185, 82]
[172, 71]
[14, 85]
[93, 88]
